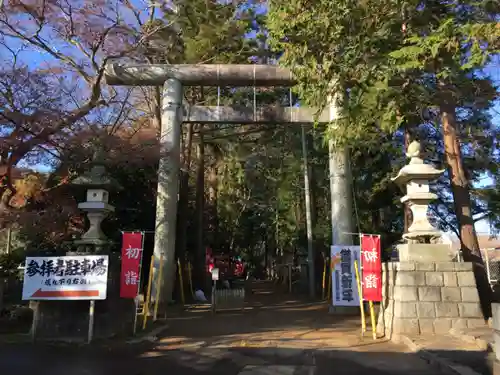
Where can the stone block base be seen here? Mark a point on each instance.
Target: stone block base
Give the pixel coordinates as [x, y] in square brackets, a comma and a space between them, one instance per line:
[428, 298]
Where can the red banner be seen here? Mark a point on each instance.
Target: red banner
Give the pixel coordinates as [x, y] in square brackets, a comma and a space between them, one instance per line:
[131, 264]
[371, 266]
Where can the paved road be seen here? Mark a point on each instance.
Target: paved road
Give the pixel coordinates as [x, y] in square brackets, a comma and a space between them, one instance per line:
[137, 360]
[277, 335]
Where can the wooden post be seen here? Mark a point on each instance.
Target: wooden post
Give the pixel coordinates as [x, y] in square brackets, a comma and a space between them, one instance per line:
[90, 334]
[36, 320]
[323, 282]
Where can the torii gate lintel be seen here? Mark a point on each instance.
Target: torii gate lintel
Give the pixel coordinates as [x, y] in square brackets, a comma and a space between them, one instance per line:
[173, 78]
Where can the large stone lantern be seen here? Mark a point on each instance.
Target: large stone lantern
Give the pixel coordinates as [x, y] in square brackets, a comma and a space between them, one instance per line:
[416, 177]
[426, 292]
[98, 184]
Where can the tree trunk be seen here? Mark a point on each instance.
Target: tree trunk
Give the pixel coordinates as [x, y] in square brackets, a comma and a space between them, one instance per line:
[461, 198]
[182, 222]
[199, 260]
[213, 224]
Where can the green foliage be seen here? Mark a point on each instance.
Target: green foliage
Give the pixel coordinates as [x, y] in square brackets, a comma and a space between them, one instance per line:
[396, 62]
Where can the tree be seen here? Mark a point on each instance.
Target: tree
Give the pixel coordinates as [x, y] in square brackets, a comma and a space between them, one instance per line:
[74, 41]
[392, 79]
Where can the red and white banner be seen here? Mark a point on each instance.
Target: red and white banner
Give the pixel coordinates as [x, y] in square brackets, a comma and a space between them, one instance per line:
[371, 267]
[131, 264]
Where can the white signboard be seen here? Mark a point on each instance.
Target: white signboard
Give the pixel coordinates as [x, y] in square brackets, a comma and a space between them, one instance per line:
[344, 286]
[215, 274]
[66, 278]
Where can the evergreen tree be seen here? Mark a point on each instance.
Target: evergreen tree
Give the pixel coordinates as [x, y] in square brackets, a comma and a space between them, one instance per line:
[400, 64]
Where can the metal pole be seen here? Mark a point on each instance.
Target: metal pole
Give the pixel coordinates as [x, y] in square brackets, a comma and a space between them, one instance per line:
[307, 192]
[340, 188]
[91, 322]
[168, 180]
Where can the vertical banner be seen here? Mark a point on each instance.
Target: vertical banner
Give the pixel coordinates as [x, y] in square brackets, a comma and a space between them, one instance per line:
[130, 276]
[371, 266]
[344, 287]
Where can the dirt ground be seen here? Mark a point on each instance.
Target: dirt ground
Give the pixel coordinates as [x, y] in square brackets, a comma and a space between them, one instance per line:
[276, 334]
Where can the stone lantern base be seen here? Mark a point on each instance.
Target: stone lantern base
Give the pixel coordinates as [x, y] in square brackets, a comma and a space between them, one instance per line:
[428, 298]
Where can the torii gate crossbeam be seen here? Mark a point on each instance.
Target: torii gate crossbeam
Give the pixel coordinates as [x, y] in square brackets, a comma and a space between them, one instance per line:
[173, 78]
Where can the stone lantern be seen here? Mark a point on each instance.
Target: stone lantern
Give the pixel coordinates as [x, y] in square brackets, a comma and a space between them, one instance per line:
[426, 292]
[416, 177]
[98, 184]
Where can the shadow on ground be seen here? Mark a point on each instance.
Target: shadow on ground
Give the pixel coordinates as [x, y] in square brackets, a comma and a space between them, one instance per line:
[159, 359]
[276, 334]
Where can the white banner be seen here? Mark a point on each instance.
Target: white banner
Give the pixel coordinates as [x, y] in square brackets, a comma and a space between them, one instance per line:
[66, 278]
[344, 286]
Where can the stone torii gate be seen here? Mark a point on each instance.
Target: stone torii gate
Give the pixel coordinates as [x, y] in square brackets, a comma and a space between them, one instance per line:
[173, 78]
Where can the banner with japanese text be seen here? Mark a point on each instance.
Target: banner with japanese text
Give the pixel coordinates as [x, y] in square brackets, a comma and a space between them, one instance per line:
[130, 275]
[371, 266]
[82, 277]
[344, 286]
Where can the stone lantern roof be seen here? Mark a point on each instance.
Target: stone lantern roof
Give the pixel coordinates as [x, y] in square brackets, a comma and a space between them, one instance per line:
[97, 176]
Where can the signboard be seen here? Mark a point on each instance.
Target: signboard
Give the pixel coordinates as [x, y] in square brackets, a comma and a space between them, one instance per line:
[215, 274]
[130, 275]
[344, 286]
[371, 266]
[66, 278]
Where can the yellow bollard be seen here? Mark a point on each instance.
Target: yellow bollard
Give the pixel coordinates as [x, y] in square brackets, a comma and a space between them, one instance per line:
[372, 317]
[181, 283]
[323, 286]
[190, 278]
[158, 288]
[360, 294]
[148, 294]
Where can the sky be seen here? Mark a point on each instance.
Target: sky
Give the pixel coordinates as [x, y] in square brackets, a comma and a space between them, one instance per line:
[37, 59]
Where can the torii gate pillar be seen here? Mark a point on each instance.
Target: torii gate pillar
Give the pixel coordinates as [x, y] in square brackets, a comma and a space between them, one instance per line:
[168, 183]
[173, 78]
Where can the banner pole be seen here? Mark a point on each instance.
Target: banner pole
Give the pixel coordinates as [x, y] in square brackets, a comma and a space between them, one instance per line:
[360, 295]
[136, 300]
[372, 318]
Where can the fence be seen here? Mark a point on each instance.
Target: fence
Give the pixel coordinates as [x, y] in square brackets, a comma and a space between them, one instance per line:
[491, 258]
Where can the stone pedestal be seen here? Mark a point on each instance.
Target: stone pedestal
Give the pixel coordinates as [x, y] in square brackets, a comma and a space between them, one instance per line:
[428, 298]
[425, 253]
